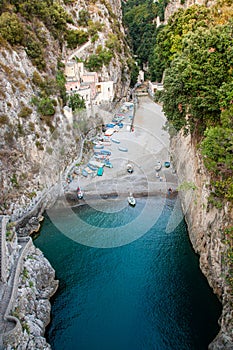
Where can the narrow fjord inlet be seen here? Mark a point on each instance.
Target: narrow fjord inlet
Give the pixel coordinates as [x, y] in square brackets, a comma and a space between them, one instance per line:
[116, 173]
[149, 294]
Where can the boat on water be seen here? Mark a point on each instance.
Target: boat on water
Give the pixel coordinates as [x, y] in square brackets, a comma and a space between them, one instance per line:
[158, 166]
[123, 149]
[131, 200]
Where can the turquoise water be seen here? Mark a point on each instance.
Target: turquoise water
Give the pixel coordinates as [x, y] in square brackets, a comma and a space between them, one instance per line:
[146, 295]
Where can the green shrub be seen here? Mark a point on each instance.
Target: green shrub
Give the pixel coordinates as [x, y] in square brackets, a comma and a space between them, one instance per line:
[45, 105]
[84, 17]
[76, 102]
[75, 38]
[11, 28]
[34, 50]
[96, 61]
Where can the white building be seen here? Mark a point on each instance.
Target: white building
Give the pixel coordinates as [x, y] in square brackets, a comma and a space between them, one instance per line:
[104, 92]
[140, 77]
[87, 84]
[153, 87]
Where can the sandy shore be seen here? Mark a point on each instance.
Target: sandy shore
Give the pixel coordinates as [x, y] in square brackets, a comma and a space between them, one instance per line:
[147, 144]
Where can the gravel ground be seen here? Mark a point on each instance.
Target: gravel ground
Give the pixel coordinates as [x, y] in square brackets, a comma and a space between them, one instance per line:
[148, 143]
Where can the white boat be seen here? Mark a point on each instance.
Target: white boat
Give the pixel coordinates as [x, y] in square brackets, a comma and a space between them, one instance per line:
[95, 163]
[115, 141]
[109, 132]
[79, 193]
[130, 168]
[131, 200]
[123, 149]
[158, 166]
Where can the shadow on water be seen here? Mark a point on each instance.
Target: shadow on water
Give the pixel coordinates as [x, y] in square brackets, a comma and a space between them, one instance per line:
[149, 294]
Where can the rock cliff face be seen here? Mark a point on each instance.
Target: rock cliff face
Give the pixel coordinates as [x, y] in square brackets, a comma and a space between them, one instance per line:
[36, 285]
[206, 226]
[35, 149]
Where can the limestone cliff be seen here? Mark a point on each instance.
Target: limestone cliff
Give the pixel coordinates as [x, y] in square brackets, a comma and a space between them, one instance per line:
[37, 140]
[36, 285]
[206, 226]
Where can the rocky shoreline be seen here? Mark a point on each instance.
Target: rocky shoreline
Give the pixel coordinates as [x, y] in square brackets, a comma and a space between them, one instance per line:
[36, 285]
[206, 226]
[35, 312]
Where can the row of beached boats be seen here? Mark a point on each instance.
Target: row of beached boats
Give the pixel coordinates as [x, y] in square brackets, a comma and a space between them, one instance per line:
[101, 157]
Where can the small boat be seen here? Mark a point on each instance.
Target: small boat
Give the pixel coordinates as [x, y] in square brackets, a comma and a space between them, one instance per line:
[120, 125]
[158, 166]
[105, 152]
[131, 200]
[108, 164]
[123, 149]
[109, 132]
[110, 125]
[95, 164]
[84, 173]
[167, 164]
[101, 157]
[116, 141]
[94, 168]
[79, 193]
[129, 168]
[98, 146]
[100, 171]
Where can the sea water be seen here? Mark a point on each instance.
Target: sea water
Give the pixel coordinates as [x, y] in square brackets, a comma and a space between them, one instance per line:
[144, 293]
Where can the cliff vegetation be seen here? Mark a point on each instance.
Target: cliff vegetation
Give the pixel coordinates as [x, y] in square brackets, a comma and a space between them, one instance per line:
[37, 38]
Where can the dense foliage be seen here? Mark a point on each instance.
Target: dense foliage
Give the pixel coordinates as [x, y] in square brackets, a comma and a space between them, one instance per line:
[140, 19]
[76, 102]
[196, 51]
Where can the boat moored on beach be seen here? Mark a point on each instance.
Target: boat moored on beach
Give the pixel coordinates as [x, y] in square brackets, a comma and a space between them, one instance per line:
[158, 166]
[131, 200]
[123, 149]
[115, 141]
[130, 168]
[79, 193]
[98, 146]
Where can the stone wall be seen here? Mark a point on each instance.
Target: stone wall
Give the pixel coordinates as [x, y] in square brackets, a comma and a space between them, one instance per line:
[206, 226]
